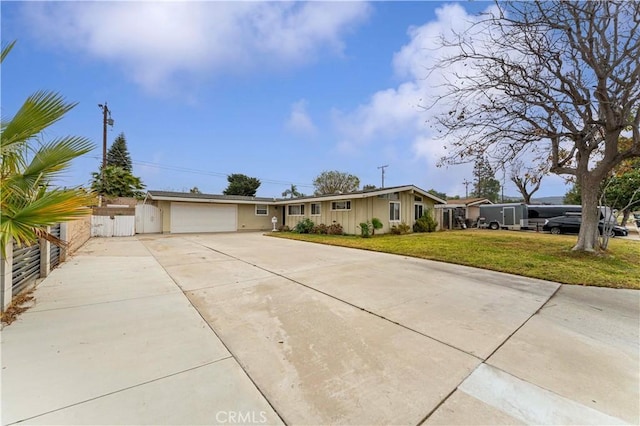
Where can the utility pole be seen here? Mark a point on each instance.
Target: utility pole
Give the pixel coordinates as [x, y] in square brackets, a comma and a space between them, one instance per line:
[106, 119]
[466, 184]
[382, 168]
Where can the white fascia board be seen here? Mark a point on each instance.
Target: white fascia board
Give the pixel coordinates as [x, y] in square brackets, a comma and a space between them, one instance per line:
[352, 196]
[210, 200]
[428, 195]
[480, 202]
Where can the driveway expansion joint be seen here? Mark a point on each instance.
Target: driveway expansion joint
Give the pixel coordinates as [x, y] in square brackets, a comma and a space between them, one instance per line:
[233, 355]
[146, 382]
[342, 301]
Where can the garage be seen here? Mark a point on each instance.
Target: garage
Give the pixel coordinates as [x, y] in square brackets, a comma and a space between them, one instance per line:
[201, 217]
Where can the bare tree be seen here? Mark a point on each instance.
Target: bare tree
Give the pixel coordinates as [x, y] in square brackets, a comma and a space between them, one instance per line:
[630, 199]
[527, 179]
[559, 77]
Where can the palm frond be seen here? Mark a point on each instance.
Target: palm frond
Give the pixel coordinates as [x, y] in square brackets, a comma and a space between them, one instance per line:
[55, 156]
[27, 204]
[24, 222]
[6, 49]
[39, 111]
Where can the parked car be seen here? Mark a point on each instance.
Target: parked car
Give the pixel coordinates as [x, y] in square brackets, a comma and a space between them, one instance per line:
[570, 224]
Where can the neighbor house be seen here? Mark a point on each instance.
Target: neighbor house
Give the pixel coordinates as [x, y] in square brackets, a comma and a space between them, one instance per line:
[187, 212]
[460, 213]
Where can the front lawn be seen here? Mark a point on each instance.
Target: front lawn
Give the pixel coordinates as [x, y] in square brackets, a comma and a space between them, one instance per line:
[529, 254]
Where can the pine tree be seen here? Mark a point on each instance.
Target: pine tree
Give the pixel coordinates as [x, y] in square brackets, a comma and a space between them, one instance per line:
[118, 154]
[118, 179]
[485, 183]
[240, 184]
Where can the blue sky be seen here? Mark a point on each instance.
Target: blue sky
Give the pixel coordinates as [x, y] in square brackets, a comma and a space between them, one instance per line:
[278, 91]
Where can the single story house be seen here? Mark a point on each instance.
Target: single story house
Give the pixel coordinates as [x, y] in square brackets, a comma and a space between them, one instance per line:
[459, 213]
[187, 212]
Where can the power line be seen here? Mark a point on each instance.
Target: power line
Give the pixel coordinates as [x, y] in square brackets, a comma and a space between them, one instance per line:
[207, 172]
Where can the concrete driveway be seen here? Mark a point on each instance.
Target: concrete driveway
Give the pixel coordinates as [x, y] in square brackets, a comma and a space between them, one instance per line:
[309, 334]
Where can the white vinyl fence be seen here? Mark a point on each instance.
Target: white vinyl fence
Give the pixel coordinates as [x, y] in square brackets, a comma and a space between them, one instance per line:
[113, 226]
[148, 219]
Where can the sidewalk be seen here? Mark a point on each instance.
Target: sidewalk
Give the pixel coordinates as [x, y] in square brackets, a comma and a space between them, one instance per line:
[113, 340]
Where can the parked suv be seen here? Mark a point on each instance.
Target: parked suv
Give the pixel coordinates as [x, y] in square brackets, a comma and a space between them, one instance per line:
[570, 224]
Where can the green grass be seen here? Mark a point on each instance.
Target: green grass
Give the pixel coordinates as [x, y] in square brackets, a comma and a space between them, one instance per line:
[535, 255]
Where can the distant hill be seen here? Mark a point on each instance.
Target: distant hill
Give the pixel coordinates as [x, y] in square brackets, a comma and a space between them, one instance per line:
[548, 200]
[555, 200]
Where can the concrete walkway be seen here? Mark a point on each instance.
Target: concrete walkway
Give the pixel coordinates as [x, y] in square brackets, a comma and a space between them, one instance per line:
[242, 328]
[113, 340]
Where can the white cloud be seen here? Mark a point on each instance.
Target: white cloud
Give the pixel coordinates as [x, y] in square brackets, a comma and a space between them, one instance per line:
[154, 41]
[299, 121]
[398, 116]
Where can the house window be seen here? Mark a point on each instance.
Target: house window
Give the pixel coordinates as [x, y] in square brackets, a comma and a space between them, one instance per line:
[394, 211]
[417, 198]
[262, 210]
[315, 209]
[296, 210]
[419, 210]
[391, 196]
[341, 205]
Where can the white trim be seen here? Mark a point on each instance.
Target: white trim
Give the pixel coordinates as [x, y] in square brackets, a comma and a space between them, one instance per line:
[266, 208]
[399, 211]
[415, 204]
[208, 200]
[367, 194]
[295, 205]
[337, 197]
[347, 206]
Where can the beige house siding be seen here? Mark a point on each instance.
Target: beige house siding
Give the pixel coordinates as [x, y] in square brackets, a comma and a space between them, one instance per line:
[473, 212]
[165, 209]
[427, 203]
[364, 207]
[249, 221]
[349, 219]
[362, 210]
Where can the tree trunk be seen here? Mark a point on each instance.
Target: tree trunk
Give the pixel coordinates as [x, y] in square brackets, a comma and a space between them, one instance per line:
[588, 236]
[625, 216]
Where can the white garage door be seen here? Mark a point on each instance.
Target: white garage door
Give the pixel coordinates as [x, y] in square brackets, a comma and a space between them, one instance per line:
[197, 217]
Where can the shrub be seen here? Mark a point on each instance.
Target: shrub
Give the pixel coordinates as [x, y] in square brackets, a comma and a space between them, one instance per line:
[283, 228]
[335, 229]
[304, 226]
[320, 229]
[365, 229]
[426, 223]
[376, 224]
[400, 229]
